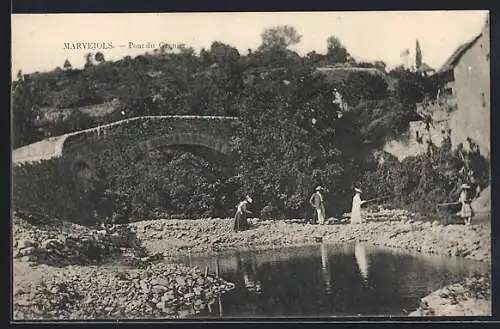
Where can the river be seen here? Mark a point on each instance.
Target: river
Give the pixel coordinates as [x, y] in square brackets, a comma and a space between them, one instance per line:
[328, 280]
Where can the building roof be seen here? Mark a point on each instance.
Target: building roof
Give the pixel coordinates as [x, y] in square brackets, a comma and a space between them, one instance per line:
[459, 52]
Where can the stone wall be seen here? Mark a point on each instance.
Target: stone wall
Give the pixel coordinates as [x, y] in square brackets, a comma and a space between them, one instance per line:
[465, 114]
[472, 92]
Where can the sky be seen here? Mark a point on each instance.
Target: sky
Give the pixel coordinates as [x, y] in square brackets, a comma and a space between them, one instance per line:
[38, 39]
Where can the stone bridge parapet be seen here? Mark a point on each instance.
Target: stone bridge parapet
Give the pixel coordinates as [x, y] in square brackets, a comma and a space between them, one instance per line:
[136, 135]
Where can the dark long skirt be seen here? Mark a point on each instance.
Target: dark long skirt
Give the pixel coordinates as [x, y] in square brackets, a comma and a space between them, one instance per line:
[240, 222]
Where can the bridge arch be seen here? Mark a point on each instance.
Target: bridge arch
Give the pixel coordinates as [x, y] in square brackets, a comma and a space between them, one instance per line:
[208, 141]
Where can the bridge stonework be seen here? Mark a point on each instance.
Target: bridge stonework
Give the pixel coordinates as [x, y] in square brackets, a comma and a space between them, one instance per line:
[135, 136]
[78, 156]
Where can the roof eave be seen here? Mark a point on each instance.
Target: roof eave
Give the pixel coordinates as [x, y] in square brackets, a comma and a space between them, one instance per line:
[457, 54]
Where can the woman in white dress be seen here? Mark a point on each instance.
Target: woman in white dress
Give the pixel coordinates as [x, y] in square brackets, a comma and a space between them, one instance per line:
[466, 211]
[356, 207]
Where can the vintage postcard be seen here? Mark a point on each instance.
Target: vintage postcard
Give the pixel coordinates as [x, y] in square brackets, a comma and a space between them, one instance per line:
[321, 165]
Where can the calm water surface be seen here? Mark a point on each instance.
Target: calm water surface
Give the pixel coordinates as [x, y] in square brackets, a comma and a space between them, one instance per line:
[329, 280]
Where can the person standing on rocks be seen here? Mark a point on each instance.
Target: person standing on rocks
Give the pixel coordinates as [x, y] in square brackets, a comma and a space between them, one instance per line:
[318, 203]
[466, 211]
[240, 218]
[356, 207]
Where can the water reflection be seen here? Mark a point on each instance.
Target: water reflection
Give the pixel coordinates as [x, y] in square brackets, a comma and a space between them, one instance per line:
[296, 282]
[325, 269]
[221, 313]
[248, 268]
[362, 260]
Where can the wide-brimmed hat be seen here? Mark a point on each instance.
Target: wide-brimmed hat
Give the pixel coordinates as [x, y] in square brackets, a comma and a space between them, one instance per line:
[465, 186]
[318, 188]
[357, 190]
[249, 199]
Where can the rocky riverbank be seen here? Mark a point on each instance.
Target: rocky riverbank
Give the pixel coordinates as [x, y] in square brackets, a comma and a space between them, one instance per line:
[175, 237]
[66, 271]
[77, 292]
[398, 229]
[59, 243]
[471, 297]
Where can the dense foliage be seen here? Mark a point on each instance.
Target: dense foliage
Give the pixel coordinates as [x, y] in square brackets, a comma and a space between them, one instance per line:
[421, 182]
[293, 135]
[172, 182]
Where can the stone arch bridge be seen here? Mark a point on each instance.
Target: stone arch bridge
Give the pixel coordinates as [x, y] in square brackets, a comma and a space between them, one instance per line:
[132, 138]
[61, 176]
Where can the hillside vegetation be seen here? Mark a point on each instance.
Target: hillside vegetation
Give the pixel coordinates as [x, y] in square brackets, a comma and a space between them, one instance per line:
[294, 136]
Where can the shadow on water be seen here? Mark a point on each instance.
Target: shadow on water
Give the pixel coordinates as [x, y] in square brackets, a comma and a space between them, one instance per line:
[329, 280]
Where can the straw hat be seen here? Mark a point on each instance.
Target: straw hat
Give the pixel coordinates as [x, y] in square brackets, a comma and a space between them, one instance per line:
[318, 188]
[357, 190]
[249, 199]
[465, 186]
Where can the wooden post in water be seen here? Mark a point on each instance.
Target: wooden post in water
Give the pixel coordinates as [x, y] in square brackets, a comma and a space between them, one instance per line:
[206, 271]
[217, 267]
[220, 307]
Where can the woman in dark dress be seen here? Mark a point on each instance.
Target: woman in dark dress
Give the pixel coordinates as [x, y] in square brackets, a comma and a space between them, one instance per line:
[240, 218]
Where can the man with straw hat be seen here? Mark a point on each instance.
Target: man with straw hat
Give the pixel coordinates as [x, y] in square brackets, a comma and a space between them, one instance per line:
[466, 211]
[318, 203]
[356, 207]
[240, 218]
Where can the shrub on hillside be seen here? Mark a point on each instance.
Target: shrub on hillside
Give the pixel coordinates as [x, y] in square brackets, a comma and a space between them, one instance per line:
[44, 187]
[419, 183]
[53, 188]
[173, 183]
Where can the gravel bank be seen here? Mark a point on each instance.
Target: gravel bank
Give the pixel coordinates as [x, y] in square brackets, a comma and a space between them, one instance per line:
[61, 243]
[396, 229]
[77, 292]
[66, 271]
[174, 237]
[471, 297]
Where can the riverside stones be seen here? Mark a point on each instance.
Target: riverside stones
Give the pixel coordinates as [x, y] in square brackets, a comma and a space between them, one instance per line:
[60, 247]
[98, 294]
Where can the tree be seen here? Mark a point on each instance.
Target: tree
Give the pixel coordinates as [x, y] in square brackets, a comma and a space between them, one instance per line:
[364, 86]
[314, 58]
[336, 52]
[23, 115]
[205, 58]
[88, 60]
[380, 65]
[67, 65]
[224, 55]
[418, 55]
[412, 87]
[99, 57]
[283, 151]
[280, 37]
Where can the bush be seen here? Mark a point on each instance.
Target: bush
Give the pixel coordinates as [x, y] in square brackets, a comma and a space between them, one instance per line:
[51, 188]
[419, 183]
